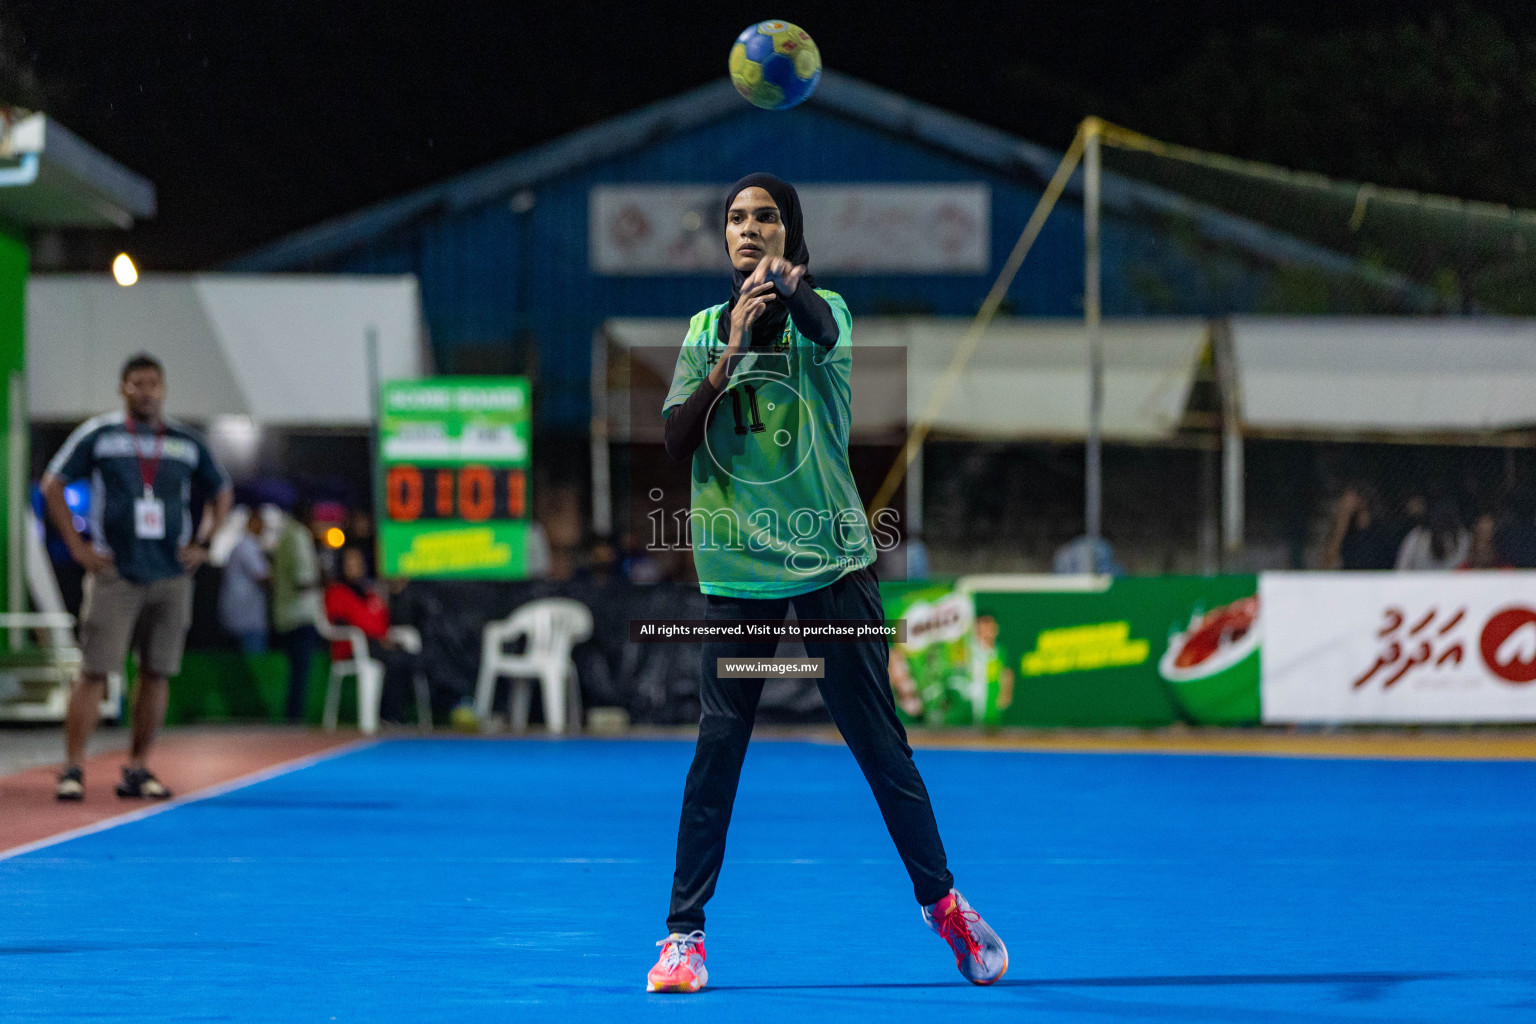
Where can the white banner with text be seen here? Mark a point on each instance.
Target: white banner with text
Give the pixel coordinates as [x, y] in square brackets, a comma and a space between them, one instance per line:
[864, 228]
[1399, 647]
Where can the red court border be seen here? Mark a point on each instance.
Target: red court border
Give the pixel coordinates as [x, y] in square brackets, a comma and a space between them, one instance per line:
[195, 764]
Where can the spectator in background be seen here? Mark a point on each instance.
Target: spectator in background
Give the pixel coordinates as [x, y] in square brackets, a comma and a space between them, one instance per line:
[242, 592]
[917, 556]
[361, 534]
[1415, 512]
[296, 600]
[1441, 543]
[602, 563]
[1484, 552]
[907, 560]
[1360, 539]
[537, 553]
[636, 563]
[354, 600]
[1517, 536]
[138, 589]
[1076, 558]
[329, 515]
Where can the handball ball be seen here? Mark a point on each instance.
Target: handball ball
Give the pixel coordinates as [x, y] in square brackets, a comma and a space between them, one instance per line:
[775, 65]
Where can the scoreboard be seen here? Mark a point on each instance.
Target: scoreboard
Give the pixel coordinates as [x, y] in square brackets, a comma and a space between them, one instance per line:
[454, 456]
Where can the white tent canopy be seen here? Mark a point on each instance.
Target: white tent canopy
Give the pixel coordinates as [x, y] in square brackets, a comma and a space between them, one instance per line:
[1390, 375]
[1027, 379]
[284, 350]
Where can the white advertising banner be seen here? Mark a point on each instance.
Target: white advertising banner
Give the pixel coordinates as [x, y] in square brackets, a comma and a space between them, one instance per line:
[1399, 647]
[851, 229]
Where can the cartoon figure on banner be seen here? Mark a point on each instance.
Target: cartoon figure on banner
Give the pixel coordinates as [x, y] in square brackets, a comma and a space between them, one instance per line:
[991, 680]
[1427, 643]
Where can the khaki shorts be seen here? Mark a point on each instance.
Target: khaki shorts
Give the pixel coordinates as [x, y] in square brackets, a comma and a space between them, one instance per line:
[152, 617]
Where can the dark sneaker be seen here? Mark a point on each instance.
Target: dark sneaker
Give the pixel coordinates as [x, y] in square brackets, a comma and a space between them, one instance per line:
[138, 784]
[71, 784]
[979, 953]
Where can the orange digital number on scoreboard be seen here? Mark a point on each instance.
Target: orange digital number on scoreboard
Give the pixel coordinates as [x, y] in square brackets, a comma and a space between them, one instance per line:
[517, 494]
[402, 494]
[474, 494]
[477, 496]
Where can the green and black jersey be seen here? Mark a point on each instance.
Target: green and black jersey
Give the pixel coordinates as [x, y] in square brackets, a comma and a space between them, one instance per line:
[774, 509]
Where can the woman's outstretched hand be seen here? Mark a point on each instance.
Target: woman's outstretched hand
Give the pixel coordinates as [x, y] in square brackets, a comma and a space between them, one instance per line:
[784, 275]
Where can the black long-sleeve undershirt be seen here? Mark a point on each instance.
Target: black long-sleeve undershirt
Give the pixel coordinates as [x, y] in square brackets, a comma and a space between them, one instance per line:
[812, 316]
[685, 426]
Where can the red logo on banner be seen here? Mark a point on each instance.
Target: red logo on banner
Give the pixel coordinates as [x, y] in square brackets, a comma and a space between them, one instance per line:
[1509, 645]
[629, 228]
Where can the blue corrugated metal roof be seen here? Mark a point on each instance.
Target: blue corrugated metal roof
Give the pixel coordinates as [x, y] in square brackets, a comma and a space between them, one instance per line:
[847, 96]
[610, 138]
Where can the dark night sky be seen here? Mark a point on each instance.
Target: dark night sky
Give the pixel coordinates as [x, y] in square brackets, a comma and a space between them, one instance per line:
[255, 119]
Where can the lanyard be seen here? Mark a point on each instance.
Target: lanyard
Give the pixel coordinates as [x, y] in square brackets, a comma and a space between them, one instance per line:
[149, 468]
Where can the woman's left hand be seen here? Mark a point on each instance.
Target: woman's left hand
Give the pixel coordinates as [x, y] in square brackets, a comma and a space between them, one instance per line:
[784, 274]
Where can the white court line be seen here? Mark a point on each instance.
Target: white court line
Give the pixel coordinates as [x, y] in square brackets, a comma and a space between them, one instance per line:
[249, 779]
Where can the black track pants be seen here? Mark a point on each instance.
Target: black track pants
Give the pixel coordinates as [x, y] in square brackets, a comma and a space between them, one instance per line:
[857, 693]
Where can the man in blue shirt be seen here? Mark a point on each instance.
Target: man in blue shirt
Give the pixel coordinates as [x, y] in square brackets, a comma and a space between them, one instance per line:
[139, 561]
[242, 591]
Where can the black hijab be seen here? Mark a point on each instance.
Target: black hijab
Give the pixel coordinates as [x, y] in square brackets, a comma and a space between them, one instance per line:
[769, 326]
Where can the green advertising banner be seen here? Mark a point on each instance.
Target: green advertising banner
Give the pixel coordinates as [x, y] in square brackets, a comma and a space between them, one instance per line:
[1139, 652]
[455, 454]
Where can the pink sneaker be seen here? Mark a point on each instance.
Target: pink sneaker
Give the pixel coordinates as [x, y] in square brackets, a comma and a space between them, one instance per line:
[979, 953]
[681, 967]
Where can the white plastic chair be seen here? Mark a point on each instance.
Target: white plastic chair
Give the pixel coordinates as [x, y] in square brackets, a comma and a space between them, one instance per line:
[408, 639]
[551, 627]
[368, 673]
[35, 687]
[40, 692]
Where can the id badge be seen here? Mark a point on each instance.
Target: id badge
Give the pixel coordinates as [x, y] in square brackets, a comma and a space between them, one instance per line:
[149, 518]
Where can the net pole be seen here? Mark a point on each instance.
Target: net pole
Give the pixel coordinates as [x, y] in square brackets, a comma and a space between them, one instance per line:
[375, 404]
[964, 349]
[16, 505]
[915, 493]
[1233, 473]
[602, 486]
[1093, 467]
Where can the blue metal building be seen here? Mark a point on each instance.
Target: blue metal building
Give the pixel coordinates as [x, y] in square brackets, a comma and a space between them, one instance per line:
[508, 274]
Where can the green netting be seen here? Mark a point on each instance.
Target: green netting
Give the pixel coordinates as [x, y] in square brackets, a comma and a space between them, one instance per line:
[1401, 251]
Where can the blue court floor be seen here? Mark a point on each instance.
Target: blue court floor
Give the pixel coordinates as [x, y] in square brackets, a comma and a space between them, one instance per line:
[452, 880]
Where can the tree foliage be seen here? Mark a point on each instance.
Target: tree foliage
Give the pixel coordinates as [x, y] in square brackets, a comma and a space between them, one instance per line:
[1444, 105]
